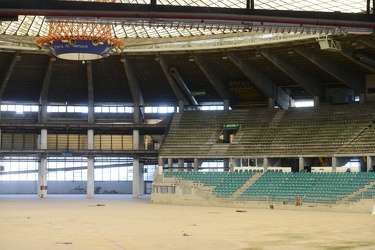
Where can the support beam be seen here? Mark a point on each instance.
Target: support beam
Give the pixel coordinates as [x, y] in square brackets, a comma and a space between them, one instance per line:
[43, 99]
[135, 90]
[135, 177]
[90, 177]
[361, 59]
[353, 80]
[8, 74]
[182, 101]
[313, 86]
[177, 76]
[90, 89]
[217, 82]
[42, 177]
[261, 81]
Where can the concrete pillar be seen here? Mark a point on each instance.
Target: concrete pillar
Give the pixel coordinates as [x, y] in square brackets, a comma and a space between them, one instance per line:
[231, 164]
[42, 177]
[43, 139]
[301, 164]
[43, 112]
[226, 164]
[196, 164]
[369, 162]
[135, 177]
[90, 139]
[135, 139]
[0, 139]
[265, 164]
[181, 106]
[90, 177]
[180, 164]
[334, 164]
[170, 164]
[362, 98]
[226, 104]
[141, 187]
[160, 169]
[316, 101]
[271, 103]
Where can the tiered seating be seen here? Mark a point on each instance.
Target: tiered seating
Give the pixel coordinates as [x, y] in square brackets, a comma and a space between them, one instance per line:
[312, 187]
[206, 178]
[225, 183]
[265, 132]
[231, 183]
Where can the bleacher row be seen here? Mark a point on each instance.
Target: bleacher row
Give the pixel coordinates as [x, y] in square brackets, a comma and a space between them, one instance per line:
[316, 187]
[263, 132]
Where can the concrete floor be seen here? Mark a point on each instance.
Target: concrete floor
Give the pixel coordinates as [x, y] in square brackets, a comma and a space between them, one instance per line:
[76, 222]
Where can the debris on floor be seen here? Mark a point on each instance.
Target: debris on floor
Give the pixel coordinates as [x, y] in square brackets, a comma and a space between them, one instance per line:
[100, 205]
[65, 243]
[241, 211]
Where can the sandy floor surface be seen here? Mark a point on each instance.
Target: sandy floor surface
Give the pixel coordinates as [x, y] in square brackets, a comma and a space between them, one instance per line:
[121, 222]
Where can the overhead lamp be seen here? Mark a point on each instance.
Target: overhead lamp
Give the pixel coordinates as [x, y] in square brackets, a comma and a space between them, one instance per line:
[191, 58]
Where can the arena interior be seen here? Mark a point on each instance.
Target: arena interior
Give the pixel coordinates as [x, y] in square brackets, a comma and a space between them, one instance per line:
[238, 104]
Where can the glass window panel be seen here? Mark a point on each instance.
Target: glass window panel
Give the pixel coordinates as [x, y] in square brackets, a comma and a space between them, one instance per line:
[60, 176]
[35, 108]
[62, 109]
[113, 109]
[97, 109]
[105, 109]
[121, 109]
[70, 109]
[11, 107]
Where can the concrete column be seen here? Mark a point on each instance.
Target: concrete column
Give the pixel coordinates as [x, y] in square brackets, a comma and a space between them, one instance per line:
[90, 139]
[181, 106]
[265, 164]
[226, 164]
[301, 164]
[43, 112]
[0, 139]
[362, 98]
[334, 164]
[180, 164]
[369, 162]
[141, 187]
[42, 177]
[231, 164]
[160, 169]
[271, 103]
[43, 139]
[316, 101]
[135, 177]
[135, 139]
[170, 164]
[196, 164]
[226, 104]
[90, 177]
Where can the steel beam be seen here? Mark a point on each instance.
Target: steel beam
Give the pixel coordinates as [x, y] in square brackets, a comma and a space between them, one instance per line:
[176, 90]
[261, 81]
[4, 85]
[353, 80]
[43, 99]
[135, 90]
[213, 77]
[90, 89]
[11, 8]
[313, 86]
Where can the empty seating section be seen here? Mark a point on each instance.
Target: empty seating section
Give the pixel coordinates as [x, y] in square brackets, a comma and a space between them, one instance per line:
[312, 187]
[206, 178]
[225, 183]
[231, 183]
[263, 132]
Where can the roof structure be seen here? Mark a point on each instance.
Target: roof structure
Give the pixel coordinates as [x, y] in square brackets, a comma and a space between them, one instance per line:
[243, 51]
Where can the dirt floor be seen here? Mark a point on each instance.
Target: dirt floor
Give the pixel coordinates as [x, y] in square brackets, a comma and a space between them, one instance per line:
[121, 222]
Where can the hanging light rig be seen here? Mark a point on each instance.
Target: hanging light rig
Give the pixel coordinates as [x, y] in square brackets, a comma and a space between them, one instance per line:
[80, 38]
